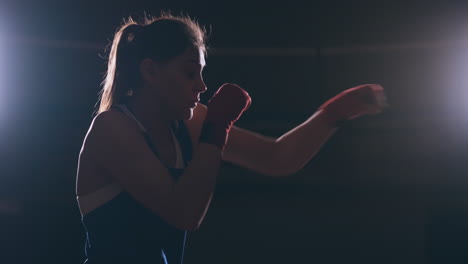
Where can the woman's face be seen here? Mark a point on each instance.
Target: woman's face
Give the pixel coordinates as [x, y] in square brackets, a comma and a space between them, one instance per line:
[179, 83]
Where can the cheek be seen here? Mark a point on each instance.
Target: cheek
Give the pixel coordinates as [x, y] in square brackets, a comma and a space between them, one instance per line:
[181, 90]
[176, 91]
[176, 98]
[170, 88]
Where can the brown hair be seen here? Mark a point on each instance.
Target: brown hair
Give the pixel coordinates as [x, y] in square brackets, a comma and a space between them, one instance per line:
[160, 38]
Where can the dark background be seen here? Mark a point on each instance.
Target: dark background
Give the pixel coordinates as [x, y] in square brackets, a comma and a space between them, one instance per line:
[390, 188]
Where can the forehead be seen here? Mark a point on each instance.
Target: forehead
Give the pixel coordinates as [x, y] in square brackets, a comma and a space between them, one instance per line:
[194, 55]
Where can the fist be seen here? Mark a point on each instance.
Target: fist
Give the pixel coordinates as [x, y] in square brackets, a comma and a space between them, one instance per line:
[224, 108]
[355, 102]
[227, 104]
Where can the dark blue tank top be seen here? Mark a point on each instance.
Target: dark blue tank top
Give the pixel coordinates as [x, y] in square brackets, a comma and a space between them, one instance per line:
[124, 231]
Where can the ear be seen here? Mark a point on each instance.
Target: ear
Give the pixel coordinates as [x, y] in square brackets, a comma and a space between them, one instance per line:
[149, 70]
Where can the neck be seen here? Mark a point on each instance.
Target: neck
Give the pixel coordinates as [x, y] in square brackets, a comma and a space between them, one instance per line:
[151, 115]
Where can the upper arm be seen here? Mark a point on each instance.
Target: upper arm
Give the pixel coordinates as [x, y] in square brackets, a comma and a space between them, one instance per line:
[115, 143]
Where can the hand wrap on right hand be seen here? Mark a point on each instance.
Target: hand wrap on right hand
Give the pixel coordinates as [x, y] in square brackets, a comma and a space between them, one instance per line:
[224, 109]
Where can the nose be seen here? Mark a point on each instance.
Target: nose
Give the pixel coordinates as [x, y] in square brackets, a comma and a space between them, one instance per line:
[201, 87]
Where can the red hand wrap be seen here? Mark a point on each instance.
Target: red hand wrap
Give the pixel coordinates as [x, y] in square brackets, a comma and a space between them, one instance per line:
[354, 102]
[224, 109]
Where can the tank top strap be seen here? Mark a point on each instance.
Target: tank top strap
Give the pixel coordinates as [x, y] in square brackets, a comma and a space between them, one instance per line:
[181, 138]
[126, 110]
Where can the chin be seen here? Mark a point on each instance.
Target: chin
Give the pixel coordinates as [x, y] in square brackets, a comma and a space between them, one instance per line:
[187, 114]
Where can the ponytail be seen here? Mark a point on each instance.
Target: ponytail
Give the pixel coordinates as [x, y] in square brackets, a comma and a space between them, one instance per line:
[158, 38]
[116, 86]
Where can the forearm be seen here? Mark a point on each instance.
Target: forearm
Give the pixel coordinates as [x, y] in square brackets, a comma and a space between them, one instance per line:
[193, 191]
[196, 186]
[299, 145]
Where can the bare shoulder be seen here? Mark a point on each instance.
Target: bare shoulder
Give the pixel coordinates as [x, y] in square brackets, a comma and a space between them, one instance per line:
[90, 175]
[106, 126]
[112, 119]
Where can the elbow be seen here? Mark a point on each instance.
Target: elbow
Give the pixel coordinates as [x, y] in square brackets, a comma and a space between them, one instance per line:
[183, 213]
[180, 218]
[189, 215]
[186, 223]
[192, 226]
[191, 223]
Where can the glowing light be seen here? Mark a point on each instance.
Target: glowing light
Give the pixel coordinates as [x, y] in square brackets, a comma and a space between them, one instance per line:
[2, 69]
[453, 90]
[2, 62]
[5, 72]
